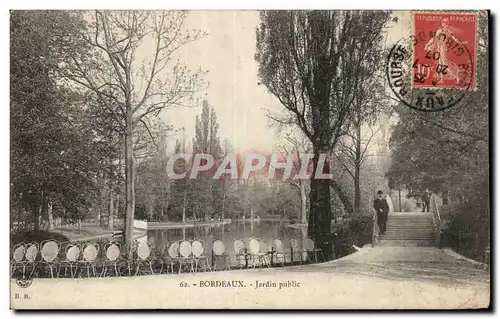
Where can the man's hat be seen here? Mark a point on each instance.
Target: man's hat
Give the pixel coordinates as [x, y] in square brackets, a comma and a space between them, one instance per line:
[380, 193]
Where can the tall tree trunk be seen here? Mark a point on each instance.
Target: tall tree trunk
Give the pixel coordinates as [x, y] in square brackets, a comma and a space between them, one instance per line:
[184, 202]
[303, 238]
[115, 212]
[111, 208]
[39, 221]
[223, 207]
[50, 216]
[163, 200]
[98, 217]
[303, 202]
[245, 198]
[446, 197]
[37, 212]
[43, 214]
[150, 210]
[320, 213]
[357, 172]
[129, 181]
[102, 199]
[357, 189]
[357, 162]
[343, 197]
[36, 215]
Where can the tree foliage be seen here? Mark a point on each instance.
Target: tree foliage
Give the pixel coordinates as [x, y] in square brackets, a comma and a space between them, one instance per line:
[313, 62]
[56, 153]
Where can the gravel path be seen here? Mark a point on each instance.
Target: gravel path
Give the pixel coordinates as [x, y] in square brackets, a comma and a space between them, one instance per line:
[427, 264]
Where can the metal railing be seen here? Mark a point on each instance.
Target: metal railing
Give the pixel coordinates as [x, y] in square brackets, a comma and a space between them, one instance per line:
[436, 218]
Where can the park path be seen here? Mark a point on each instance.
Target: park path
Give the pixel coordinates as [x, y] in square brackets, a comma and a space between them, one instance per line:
[407, 252]
[424, 264]
[372, 278]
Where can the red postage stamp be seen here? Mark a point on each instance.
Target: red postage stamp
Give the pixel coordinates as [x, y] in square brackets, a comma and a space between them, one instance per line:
[444, 50]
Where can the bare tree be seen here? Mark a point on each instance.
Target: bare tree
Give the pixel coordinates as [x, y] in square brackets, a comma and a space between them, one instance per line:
[370, 102]
[352, 148]
[299, 145]
[135, 73]
[228, 185]
[313, 62]
[351, 153]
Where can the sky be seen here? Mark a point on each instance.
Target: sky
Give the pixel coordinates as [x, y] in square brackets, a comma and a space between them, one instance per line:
[227, 52]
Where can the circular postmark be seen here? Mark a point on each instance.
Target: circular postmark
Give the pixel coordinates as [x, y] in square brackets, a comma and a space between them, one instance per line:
[428, 72]
[24, 282]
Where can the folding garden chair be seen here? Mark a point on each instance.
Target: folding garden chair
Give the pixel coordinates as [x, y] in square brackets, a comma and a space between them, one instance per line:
[89, 260]
[172, 258]
[185, 258]
[297, 249]
[112, 259]
[219, 252]
[143, 259]
[17, 260]
[258, 253]
[49, 253]
[278, 251]
[72, 254]
[199, 258]
[312, 248]
[241, 253]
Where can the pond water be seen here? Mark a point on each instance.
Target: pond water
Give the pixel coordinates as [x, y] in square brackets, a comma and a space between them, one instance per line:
[265, 231]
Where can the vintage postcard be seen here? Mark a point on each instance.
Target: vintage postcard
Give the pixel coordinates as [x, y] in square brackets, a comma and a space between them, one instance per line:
[249, 159]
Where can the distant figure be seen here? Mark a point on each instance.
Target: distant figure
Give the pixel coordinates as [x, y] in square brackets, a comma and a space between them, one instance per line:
[419, 201]
[426, 200]
[382, 208]
[388, 199]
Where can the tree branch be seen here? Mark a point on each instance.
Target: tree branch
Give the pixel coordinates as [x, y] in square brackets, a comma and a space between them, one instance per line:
[150, 135]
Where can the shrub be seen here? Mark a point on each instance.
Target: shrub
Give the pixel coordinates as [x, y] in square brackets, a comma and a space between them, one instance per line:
[466, 228]
[447, 210]
[354, 230]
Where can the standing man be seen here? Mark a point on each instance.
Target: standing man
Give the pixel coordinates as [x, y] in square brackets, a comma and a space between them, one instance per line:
[382, 208]
[426, 198]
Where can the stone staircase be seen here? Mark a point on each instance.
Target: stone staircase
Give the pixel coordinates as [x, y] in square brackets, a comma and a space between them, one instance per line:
[409, 229]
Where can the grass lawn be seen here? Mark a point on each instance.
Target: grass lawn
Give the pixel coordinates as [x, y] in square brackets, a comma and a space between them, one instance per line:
[36, 236]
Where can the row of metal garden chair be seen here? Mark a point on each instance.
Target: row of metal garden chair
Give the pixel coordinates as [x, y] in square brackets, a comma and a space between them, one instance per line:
[258, 254]
[55, 259]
